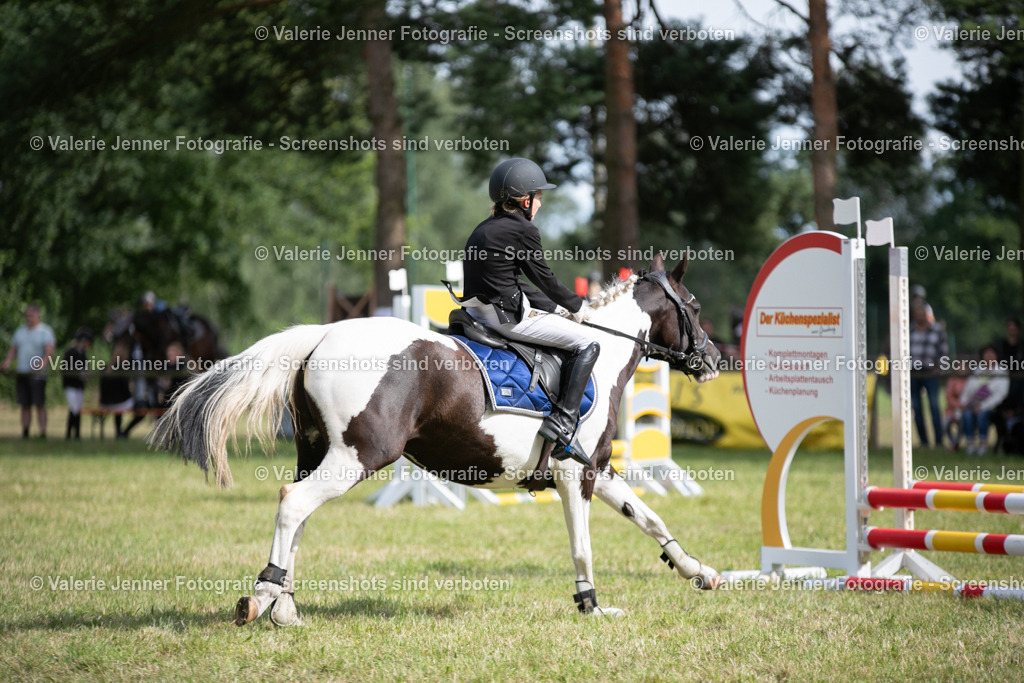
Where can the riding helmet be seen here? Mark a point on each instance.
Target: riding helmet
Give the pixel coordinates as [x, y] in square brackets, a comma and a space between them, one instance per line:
[517, 177]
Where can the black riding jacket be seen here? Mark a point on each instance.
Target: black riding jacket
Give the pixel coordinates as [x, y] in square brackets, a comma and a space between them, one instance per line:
[498, 252]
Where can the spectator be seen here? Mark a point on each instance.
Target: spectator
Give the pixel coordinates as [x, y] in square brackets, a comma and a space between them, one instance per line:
[736, 323]
[918, 298]
[1011, 355]
[150, 302]
[74, 380]
[927, 346]
[1011, 347]
[984, 391]
[33, 343]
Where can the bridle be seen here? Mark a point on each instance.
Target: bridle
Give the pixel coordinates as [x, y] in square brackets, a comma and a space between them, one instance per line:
[693, 360]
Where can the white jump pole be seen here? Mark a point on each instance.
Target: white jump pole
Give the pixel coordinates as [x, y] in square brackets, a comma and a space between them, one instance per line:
[902, 436]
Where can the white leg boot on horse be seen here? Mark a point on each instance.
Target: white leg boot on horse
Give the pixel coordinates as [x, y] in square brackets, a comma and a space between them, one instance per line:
[576, 508]
[339, 472]
[284, 612]
[614, 491]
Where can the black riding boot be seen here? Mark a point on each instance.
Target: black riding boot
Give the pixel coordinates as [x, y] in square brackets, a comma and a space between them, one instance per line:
[560, 425]
[71, 426]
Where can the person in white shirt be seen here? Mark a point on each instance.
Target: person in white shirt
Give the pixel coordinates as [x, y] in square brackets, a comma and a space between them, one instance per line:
[33, 344]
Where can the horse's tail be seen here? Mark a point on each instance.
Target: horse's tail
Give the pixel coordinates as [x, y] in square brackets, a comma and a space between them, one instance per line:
[205, 411]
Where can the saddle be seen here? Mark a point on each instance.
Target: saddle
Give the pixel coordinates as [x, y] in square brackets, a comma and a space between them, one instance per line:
[545, 365]
[545, 362]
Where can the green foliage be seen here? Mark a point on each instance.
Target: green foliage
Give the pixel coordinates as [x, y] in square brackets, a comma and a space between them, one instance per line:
[86, 231]
[984, 197]
[542, 96]
[875, 111]
[702, 192]
[987, 105]
[971, 295]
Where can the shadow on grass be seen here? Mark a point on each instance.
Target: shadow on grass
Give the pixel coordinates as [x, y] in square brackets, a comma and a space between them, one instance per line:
[174, 619]
[462, 569]
[380, 607]
[179, 620]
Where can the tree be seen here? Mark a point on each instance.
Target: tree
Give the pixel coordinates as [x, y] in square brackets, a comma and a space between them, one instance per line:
[970, 297]
[861, 54]
[982, 113]
[620, 230]
[823, 107]
[696, 187]
[554, 106]
[89, 230]
[390, 176]
[544, 99]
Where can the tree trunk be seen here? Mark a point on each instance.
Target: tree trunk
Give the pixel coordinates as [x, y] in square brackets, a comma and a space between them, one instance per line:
[823, 110]
[1020, 191]
[620, 230]
[390, 176]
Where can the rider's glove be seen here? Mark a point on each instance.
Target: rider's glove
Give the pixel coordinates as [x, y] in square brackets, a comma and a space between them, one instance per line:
[579, 315]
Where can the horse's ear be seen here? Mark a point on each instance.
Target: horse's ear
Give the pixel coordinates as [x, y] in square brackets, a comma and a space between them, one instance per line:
[680, 270]
[658, 263]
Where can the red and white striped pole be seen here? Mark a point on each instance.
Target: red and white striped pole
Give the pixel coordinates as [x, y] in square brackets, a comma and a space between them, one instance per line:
[945, 499]
[949, 541]
[892, 585]
[964, 486]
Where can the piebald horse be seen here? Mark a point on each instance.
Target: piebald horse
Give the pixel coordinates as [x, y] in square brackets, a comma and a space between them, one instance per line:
[364, 392]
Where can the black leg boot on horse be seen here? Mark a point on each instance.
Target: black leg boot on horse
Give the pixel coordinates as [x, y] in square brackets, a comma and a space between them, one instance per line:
[560, 426]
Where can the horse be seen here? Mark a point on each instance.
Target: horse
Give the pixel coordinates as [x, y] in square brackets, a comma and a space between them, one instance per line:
[156, 330]
[364, 392]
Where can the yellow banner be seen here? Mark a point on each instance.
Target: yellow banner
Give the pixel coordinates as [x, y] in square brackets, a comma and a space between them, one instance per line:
[716, 413]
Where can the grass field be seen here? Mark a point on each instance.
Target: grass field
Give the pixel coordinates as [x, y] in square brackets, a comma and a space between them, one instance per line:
[174, 554]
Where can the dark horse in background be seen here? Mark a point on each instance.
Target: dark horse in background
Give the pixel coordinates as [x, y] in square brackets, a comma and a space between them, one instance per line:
[155, 330]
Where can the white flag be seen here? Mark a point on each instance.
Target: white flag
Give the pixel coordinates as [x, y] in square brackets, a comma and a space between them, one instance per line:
[453, 271]
[846, 211]
[879, 232]
[397, 280]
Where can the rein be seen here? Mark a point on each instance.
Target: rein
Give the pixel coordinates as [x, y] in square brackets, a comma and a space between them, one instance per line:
[694, 360]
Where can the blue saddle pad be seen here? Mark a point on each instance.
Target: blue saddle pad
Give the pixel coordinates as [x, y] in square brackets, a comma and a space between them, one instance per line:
[507, 381]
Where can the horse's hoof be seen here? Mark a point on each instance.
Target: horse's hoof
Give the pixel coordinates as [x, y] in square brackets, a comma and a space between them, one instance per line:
[610, 612]
[283, 612]
[246, 610]
[708, 580]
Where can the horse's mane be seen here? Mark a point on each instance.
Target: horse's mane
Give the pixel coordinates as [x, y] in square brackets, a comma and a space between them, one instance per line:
[613, 292]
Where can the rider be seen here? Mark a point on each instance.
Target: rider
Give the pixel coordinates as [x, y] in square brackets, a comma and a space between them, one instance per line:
[500, 250]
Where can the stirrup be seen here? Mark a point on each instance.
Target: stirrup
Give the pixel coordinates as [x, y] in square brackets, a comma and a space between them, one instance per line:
[572, 450]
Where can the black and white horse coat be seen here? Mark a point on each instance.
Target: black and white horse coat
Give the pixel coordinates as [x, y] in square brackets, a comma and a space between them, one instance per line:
[363, 392]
